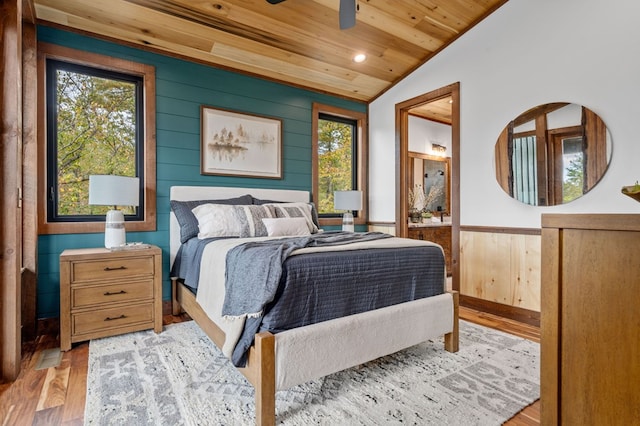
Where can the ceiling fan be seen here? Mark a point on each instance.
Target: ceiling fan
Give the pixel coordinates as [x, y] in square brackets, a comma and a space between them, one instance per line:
[347, 12]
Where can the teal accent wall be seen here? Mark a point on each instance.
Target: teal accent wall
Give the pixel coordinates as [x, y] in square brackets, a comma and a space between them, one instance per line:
[181, 88]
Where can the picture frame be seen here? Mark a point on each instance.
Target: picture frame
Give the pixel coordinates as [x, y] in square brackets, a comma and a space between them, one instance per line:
[239, 144]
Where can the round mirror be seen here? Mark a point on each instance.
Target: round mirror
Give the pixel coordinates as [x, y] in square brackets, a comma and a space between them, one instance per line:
[552, 154]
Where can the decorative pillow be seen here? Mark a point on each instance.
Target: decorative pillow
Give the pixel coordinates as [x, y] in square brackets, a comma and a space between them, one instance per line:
[218, 220]
[286, 226]
[296, 210]
[252, 218]
[186, 219]
[314, 211]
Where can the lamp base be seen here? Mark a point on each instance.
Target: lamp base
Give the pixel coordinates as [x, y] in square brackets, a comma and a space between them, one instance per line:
[347, 222]
[114, 232]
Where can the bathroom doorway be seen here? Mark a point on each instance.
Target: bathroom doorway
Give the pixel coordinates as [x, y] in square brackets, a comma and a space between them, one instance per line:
[434, 102]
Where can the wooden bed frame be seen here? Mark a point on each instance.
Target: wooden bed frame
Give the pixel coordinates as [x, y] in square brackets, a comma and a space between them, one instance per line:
[262, 362]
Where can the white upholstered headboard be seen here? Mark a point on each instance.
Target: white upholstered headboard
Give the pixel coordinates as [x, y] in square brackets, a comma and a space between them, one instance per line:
[188, 193]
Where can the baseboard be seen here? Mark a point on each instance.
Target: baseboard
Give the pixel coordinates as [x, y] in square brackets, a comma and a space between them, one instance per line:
[512, 312]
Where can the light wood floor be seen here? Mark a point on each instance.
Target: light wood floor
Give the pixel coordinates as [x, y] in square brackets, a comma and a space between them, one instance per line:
[56, 395]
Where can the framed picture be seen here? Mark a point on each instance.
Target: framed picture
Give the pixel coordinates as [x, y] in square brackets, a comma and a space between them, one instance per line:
[238, 144]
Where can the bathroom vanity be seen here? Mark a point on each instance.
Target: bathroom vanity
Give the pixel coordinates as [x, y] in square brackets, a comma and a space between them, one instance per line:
[438, 232]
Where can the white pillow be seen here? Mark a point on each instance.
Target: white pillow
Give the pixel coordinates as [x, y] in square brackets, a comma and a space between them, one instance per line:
[287, 226]
[217, 220]
[289, 210]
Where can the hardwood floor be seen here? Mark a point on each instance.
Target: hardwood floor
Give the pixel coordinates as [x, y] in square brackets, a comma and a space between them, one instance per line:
[56, 395]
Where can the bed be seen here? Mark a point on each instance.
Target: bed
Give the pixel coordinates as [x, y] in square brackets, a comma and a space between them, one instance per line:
[277, 361]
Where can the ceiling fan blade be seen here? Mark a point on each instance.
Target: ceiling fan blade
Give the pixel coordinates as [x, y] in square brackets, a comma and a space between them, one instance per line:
[275, 1]
[347, 14]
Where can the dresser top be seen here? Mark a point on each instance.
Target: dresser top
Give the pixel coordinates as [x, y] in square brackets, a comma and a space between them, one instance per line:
[74, 254]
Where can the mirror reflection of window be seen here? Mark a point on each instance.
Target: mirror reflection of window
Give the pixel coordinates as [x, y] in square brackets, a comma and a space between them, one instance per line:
[572, 169]
[552, 154]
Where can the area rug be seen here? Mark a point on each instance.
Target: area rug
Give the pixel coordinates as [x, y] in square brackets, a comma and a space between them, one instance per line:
[179, 377]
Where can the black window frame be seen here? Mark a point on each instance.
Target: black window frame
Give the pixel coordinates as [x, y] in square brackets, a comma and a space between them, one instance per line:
[52, 67]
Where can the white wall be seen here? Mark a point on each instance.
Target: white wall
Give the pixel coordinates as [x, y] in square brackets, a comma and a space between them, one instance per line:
[423, 133]
[528, 52]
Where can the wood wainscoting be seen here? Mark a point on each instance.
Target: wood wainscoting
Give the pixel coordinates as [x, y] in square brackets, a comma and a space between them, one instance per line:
[500, 271]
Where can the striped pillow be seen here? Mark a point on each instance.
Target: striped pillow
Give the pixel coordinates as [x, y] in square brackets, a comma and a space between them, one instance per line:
[217, 220]
[295, 210]
[251, 220]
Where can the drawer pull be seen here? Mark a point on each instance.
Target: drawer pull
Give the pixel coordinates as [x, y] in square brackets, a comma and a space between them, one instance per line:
[119, 268]
[116, 318]
[108, 293]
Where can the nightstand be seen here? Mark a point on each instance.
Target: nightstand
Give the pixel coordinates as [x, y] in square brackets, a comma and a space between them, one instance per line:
[105, 292]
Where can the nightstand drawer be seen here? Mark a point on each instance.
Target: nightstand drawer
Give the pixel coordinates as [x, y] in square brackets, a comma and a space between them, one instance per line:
[109, 319]
[102, 295]
[109, 269]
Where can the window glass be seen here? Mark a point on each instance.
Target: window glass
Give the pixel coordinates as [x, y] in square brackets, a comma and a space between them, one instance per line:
[337, 160]
[95, 126]
[572, 169]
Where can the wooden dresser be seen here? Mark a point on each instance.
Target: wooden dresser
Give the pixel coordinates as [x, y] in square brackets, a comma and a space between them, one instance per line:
[104, 293]
[439, 234]
[590, 319]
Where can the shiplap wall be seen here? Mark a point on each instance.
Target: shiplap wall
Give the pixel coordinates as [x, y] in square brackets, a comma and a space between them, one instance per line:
[181, 88]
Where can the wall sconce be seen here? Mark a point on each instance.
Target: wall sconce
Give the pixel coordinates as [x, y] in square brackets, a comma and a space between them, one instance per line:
[440, 149]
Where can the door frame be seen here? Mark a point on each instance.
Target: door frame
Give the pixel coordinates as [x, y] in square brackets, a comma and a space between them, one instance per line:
[402, 167]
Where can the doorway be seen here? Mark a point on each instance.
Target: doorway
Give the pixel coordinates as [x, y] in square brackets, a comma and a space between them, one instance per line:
[403, 169]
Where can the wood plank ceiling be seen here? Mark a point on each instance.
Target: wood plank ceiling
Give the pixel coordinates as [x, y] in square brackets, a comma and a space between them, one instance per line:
[298, 42]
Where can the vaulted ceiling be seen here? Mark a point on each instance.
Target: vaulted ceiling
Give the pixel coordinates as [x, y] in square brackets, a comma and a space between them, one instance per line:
[298, 42]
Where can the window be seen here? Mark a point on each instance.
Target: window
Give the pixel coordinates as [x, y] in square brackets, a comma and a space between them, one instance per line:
[99, 120]
[95, 127]
[339, 152]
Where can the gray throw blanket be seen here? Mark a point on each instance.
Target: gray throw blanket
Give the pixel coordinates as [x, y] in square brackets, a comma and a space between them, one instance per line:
[253, 269]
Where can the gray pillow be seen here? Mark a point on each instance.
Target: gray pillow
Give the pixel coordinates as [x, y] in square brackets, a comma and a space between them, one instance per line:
[189, 223]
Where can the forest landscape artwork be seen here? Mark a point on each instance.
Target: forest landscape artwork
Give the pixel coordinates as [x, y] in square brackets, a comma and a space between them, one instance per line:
[238, 144]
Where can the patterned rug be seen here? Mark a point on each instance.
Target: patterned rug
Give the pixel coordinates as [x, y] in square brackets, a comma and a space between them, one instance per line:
[179, 377]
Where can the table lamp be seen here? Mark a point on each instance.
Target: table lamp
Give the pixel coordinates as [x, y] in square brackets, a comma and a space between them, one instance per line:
[110, 190]
[349, 201]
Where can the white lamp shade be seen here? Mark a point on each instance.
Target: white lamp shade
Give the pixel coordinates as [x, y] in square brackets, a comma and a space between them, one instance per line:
[110, 190]
[347, 200]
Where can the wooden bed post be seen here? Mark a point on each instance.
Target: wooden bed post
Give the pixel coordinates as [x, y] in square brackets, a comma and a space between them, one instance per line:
[451, 340]
[175, 304]
[265, 386]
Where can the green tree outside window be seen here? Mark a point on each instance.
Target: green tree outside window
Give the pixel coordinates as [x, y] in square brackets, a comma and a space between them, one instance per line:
[336, 142]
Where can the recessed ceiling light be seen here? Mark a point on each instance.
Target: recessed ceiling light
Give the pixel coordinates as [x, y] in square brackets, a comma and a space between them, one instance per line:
[360, 57]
